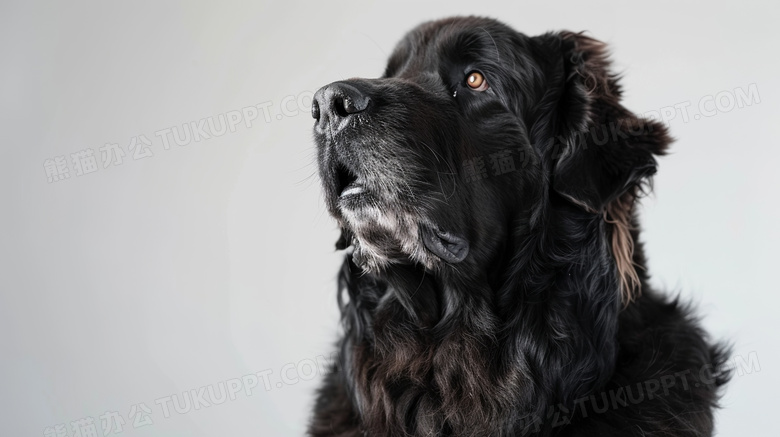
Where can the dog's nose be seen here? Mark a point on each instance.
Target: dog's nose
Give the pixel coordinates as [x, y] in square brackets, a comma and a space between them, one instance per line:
[334, 104]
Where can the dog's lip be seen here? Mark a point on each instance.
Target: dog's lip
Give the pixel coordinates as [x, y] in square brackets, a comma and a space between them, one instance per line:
[348, 183]
[352, 189]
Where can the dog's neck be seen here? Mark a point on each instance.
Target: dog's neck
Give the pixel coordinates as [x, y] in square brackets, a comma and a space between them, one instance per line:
[425, 344]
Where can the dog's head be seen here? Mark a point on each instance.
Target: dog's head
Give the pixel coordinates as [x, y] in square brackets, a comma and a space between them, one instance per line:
[470, 137]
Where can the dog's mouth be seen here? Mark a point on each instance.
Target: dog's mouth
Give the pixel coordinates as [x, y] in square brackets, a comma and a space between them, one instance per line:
[348, 183]
[358, 206]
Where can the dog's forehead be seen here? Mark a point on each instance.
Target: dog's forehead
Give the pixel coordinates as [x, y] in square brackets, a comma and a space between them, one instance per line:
[452, 40]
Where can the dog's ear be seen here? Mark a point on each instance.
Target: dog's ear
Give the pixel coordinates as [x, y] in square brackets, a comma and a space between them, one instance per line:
[603, 152]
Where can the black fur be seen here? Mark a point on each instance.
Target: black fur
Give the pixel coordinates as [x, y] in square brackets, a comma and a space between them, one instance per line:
[511, 301]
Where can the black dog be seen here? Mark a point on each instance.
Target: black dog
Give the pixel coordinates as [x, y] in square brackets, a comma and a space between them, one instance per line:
[496, 285]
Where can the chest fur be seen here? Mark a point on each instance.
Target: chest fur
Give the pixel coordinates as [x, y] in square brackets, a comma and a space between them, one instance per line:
[460, 382]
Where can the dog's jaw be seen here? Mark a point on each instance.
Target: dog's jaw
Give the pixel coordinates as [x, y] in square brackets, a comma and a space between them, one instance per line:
[383, 236]
[385, 225]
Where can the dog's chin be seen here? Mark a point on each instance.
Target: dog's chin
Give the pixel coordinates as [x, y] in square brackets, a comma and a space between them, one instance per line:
[383, 234]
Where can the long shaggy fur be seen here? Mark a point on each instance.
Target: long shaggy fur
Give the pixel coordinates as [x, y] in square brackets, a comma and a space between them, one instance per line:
[494, 282]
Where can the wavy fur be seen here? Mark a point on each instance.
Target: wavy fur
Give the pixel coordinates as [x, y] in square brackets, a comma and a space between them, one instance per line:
[541, 328]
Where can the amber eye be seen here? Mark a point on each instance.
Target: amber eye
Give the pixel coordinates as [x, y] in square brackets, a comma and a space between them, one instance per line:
[476, 81]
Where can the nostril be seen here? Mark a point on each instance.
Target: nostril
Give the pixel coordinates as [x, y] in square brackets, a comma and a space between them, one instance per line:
[315, 110]
[342, 106]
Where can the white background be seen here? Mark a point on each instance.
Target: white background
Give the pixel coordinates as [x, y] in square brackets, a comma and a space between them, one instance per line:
[213, 260]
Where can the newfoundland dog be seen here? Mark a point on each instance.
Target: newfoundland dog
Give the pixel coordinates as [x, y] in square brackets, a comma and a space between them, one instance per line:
[495, 284]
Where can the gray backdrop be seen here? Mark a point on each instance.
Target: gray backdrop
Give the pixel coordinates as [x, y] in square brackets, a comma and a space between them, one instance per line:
[168, 265]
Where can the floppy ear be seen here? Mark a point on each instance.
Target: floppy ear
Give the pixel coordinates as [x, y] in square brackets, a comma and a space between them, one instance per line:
[607, 149]
[605, 153]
